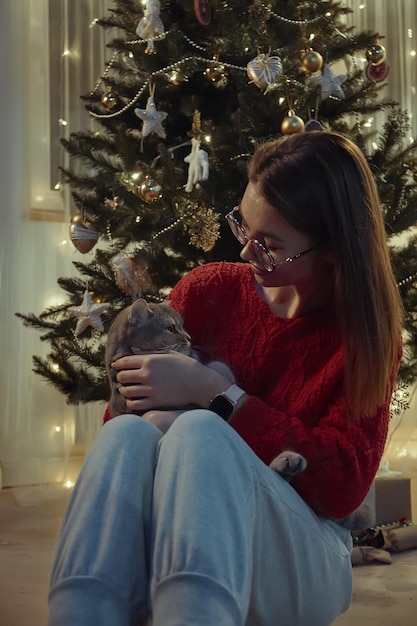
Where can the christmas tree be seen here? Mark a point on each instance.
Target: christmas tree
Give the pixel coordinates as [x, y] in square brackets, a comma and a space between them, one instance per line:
[190, 89]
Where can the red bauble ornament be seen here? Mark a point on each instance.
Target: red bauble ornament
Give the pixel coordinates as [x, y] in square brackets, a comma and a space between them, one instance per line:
[202, 11]
[377, 73]
[83, 234]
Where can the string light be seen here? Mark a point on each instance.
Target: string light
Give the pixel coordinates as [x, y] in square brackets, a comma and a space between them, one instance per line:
[281, 18]
[168, 68]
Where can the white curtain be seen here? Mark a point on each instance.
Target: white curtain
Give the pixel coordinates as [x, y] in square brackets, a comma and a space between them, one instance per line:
[42, 439]
[396, 22]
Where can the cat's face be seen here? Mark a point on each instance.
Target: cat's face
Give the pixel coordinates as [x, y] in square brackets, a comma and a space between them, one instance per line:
[155, 327]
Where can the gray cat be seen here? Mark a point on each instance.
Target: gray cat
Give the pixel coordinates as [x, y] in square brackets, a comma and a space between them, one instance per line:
[147, 327]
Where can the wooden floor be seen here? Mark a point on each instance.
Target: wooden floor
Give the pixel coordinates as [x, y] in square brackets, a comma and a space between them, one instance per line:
[30, 518]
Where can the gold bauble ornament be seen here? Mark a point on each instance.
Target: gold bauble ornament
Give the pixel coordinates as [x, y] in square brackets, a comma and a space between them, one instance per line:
[109, 100]
[83, 234]
[292, 124]
[175, 76]
[215, 73]
[150, 190]
[375, 54]
[311, 61]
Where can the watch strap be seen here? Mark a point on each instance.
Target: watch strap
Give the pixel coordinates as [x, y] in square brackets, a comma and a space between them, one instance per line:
[225, 403]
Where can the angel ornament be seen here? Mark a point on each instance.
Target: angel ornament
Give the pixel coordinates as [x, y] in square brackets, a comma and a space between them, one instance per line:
[198, 168]
[150, 26]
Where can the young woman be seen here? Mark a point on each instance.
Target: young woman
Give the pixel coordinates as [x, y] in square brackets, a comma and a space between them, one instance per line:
[179, 516]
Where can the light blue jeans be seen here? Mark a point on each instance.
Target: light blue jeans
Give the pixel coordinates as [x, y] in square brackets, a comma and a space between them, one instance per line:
[192, 527]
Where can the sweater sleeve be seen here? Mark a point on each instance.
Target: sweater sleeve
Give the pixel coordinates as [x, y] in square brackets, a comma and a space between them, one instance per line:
[342, 459]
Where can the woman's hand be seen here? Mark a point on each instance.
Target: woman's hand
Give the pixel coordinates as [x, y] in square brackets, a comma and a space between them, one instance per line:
[162, 419]
[154, 381]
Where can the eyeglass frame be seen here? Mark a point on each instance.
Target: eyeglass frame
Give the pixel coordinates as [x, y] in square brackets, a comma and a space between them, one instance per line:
[233, 223]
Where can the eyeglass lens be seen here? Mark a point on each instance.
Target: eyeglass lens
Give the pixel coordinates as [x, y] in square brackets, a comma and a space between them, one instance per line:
[260, 253]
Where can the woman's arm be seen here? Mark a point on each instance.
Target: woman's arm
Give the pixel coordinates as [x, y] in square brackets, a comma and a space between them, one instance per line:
[158, 381]
[342, 459]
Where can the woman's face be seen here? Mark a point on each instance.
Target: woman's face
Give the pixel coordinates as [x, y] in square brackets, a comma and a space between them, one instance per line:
[265, 223]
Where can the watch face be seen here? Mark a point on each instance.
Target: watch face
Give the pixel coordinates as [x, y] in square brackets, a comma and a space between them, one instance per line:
[222, 406]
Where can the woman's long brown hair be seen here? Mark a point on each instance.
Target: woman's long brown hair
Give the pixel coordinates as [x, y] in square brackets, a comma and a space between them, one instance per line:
[321, 183]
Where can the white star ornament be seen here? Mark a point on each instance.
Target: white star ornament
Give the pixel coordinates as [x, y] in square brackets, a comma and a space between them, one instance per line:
[88, 314]
[329, 83]
[152, 119]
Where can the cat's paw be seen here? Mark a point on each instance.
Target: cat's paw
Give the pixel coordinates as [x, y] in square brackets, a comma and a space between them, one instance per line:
[288, 464]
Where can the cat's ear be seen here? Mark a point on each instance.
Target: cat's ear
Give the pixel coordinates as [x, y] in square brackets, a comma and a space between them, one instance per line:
[141, 305]
[139, 310]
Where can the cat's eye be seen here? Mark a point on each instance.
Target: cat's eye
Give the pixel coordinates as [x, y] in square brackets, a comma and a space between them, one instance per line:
[171, 329]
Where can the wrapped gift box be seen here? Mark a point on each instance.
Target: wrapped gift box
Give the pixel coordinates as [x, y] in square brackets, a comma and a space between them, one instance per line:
[392, 499]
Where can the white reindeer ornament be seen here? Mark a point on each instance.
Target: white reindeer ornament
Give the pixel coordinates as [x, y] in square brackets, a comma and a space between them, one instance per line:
[198, 168]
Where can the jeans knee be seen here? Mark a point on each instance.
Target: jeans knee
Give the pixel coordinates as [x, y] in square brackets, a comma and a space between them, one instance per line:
[203, 434]
[129, 430]
[197, 424]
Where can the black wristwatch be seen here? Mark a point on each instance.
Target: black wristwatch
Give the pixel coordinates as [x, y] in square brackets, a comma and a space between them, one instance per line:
[225, 403]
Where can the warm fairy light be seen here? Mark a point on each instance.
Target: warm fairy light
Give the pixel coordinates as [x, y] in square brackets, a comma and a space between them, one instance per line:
[374, 145]
[413, 53]
[410, 33]
[135, 176]
[68, 484]
[64, 242]
[311, 37]
[55, 368]
[403, 452]
[94, 22]
[55, 300]
[57, 186]
[369, 122]
[57, 429]
[362, 6]
[207, 138]
[281, 100]
[66, 53]
[62, 122]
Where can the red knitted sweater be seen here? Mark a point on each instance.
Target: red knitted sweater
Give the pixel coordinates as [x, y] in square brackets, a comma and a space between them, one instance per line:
[292, 370]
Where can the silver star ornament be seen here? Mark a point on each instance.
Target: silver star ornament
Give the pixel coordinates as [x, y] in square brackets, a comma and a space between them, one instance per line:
[88, 314]
[152, 119]
[329, 84]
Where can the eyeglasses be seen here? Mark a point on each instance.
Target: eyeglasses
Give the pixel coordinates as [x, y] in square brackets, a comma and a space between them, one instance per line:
[261, 252]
